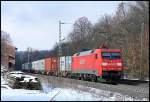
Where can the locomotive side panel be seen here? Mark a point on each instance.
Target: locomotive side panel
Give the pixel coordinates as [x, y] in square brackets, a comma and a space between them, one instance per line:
[84, 64]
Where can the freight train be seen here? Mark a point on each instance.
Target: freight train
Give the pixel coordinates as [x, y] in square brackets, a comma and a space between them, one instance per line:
[97, 65]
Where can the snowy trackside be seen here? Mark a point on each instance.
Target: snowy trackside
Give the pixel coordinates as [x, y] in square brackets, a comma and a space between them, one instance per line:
[26, 77]
[3, 81]
[76, 95]
[93, 94]
[57, 94]
[9, 94]
[52, 93]
[23, 95]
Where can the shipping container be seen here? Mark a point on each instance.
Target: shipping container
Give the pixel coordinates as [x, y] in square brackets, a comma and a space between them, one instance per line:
[68, 62]
[54, 64]
[65, 63]
[62, 63]
[34, 66]
[29, 67]
[41, 66]
[37, 66]
[48, 64]
[32, 69]
[26, 66]
[51, 65]
[23, 67]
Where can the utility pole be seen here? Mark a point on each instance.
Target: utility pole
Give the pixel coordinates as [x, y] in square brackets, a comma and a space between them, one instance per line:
[60, 41]
[59, 48]
[28, 55]
[142, 28]
[59, 51]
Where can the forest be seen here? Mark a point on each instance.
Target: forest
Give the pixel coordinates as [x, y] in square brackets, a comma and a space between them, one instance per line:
[127, 29]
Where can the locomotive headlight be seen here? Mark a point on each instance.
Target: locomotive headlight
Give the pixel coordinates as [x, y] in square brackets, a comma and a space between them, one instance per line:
[104, 64]
[119, 64]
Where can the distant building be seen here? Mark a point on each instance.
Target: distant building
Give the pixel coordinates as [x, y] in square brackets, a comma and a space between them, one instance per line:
[9, 58]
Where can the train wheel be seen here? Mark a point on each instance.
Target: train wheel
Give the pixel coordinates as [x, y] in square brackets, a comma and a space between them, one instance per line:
[94, 79]
[79, 78]
[82, 78]
[114, 81]
[109, 81]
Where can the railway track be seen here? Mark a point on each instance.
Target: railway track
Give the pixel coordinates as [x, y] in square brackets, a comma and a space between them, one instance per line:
[136, 80]
[132, 82]
[133, 88]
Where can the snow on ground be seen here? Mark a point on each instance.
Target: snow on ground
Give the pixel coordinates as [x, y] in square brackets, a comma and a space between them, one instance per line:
[23, 95]
[3, 81]
[93, 94]
[9, 94]
[52, 93]
[26, 77]
[114, 96]
[125, 77]
[57, 94]
[76, 95]
[16, 72]
[73, 95]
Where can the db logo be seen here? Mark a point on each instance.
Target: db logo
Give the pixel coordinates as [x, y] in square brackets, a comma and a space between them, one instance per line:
[82, 61]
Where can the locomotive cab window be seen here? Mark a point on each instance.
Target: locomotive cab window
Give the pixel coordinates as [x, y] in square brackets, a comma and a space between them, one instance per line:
[111, 55]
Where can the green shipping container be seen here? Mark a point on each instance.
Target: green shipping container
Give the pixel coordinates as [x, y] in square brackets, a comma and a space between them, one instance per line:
[68, 63]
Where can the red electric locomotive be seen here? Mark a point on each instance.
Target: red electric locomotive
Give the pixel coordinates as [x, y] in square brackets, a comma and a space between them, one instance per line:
[102, 63]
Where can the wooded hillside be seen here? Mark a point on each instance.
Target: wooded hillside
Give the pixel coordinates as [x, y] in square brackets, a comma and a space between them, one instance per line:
[127, 29]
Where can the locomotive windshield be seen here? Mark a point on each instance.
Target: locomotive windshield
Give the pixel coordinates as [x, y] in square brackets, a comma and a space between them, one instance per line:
[111, 55]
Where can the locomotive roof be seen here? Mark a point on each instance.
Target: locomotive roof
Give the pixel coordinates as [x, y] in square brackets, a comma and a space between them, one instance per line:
[84, 53]
[91, 51]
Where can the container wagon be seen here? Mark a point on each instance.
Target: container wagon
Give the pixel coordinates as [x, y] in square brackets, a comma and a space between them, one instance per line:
[51, 67]
[65, 66]
[41, 66]
[36, 66]
[23, 67]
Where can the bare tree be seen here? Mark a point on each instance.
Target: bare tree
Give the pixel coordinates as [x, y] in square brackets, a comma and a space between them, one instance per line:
[5, 39]
[81, 32]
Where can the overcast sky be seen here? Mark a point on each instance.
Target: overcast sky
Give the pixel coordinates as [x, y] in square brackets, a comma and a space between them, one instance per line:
[35, 23]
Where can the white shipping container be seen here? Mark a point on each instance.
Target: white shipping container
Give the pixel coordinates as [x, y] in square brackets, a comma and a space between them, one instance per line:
[23, 67]
[37, 65]
[62, 63]
[26, 66]
[32, 66]
[41, 64]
